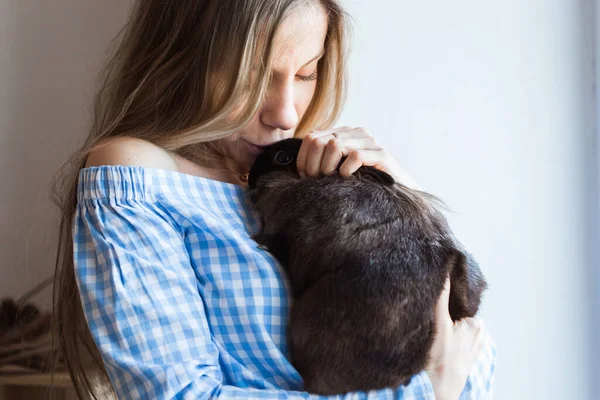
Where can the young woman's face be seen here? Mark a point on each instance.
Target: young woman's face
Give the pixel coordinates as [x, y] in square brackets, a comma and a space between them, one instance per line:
[298, 47]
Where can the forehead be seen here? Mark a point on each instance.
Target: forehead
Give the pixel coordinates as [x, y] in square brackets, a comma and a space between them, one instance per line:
[300, 38]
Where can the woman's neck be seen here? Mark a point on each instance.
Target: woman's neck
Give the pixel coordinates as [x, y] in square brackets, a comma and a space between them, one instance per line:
[225, 174]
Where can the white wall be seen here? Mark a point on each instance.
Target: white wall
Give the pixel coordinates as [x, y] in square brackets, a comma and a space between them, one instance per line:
[489, 105]
[595, 234]
[50, 52]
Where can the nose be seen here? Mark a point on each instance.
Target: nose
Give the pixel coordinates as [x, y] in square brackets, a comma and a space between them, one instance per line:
[279, 110]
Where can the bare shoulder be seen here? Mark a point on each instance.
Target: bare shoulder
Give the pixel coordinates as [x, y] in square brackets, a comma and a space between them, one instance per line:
[130, 151]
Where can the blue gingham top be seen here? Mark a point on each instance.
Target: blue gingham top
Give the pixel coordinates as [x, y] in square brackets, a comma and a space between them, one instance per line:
[180, 300]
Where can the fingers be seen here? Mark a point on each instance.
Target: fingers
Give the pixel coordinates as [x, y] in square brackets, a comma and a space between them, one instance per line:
[443, 328]
[475, 328]
[321, 151]
[442, 310]
[316, 140]
[334, 152]
[313, 163]
[358, 158]
[454, 350]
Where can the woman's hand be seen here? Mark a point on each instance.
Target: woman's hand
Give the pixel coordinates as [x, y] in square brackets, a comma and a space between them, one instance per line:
[321, 152]
[454, 351]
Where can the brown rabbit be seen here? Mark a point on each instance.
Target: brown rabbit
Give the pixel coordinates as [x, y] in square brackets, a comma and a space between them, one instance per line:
[367, 259]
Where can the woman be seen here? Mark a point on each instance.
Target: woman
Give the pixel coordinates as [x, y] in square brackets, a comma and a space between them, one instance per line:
[157, 277]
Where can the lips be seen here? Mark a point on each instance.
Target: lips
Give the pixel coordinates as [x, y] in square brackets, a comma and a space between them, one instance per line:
[254, 149]
[257, 148]
[262, 145]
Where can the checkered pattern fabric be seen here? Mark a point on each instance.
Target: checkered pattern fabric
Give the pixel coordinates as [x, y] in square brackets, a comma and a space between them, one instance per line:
[180, 300]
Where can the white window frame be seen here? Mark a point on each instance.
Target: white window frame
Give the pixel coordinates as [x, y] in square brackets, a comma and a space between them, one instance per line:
[595, 192]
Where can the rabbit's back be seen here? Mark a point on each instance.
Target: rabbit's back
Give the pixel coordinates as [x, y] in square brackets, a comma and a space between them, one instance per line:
[366, 284]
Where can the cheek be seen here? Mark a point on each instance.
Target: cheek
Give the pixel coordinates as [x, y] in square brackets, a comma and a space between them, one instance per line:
[247, 131]
[232, 149]
[228, 141]
[305, 94]
[251, 131]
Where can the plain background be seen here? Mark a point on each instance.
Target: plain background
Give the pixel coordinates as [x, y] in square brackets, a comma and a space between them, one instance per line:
[489, 105]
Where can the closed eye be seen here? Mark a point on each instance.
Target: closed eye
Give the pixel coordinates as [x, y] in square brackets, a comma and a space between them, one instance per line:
[311, 77]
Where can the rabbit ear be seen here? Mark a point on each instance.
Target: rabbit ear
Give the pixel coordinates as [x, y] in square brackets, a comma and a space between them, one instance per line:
[466, 285]
[375, 175]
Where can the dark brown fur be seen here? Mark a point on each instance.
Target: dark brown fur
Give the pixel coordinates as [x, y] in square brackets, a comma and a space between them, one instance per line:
[367, 259]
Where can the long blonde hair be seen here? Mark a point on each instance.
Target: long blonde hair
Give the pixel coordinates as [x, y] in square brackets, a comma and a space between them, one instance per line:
[179, 71]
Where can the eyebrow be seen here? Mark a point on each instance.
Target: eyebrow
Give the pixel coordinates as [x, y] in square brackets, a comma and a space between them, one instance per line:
[314, 58]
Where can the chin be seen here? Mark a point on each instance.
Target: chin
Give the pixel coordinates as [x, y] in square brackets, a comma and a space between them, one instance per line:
[245, 162]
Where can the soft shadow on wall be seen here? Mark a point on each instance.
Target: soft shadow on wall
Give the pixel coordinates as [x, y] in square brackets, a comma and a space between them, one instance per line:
[50, 55]
[592, 22]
